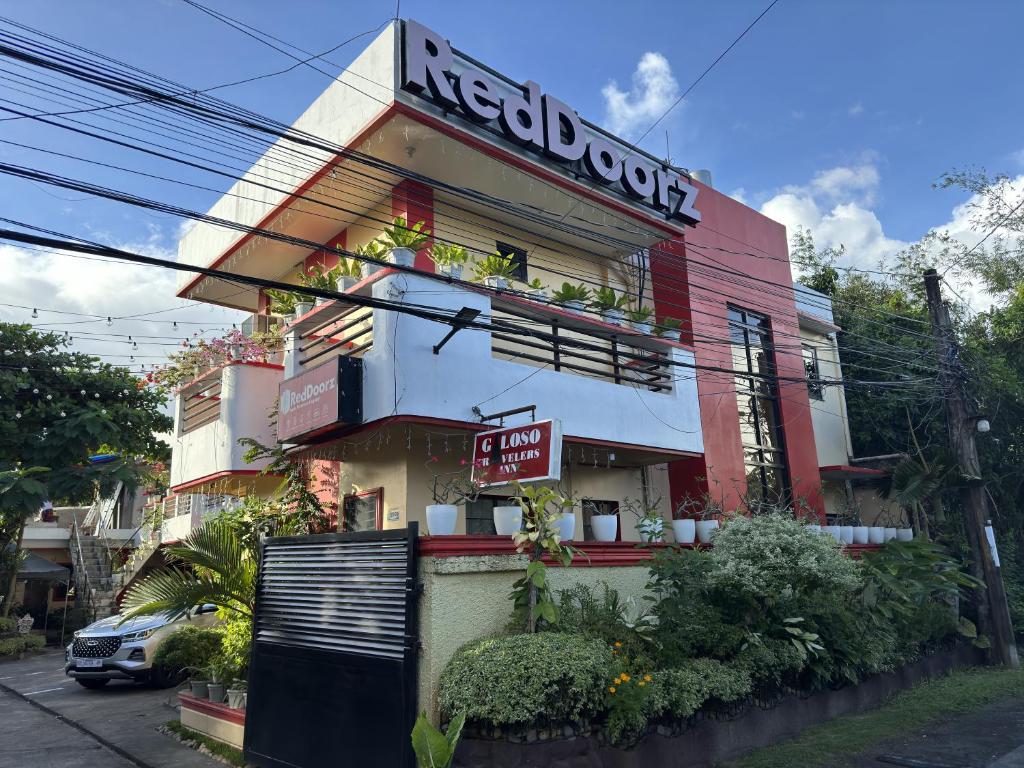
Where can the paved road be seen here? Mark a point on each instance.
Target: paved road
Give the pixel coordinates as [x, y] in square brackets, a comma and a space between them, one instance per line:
[122, 715]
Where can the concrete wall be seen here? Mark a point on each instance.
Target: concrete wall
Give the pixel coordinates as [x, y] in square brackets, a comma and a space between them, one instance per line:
[248, 394]
[466, 598]
[831, 426]
[214, 727]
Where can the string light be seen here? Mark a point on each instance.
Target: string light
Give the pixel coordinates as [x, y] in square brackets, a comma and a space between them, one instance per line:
[35, 313]
[110, 321]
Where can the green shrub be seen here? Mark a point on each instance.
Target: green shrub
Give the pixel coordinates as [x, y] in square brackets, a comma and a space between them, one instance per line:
[7, 624]
[189, 648]
[606, 615]
[521, 679]
[15, 644]
[236, 642]
[771, 661]
[681, 691]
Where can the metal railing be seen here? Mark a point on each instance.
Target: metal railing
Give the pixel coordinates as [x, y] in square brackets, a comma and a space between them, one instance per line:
[202, 405]
[335, 330]
[82, 586]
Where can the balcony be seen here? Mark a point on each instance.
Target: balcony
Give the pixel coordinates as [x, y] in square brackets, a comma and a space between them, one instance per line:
[212, 412]
[605, 383]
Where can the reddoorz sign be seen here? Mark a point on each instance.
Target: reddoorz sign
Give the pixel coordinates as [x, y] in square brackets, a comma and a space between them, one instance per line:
[538, 121]
[528, 454]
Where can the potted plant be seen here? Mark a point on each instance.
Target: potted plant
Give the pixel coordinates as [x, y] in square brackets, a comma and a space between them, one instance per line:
[236, 694]
[535, 289]
[282, 303]
[449, 259]
[835, 532]
[448, 491]
[402, 241]
[640, 318]
[609, 304]
[374, 251]
[320, 278]
[890, 534]
[684, 527]
[904, 534]
[649, 522]
[669, 329]
[876, 534]
[494, 271]
[219, 671]
[707, 521]
[572, 297]
[199, 687]
[566, 520]
[605, 527]
[508, 519]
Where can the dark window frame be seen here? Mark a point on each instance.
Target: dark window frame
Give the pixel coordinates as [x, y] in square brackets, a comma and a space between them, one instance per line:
[379, 516]
[812, 370]
[517, 256]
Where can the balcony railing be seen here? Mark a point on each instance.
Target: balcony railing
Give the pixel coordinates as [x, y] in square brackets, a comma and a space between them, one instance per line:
[202, 404]
[333, 330]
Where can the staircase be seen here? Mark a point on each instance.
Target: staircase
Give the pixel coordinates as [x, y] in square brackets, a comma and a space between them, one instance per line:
[95, 587]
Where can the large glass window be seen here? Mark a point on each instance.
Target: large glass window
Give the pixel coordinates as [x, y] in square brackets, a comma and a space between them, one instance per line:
[764, 455]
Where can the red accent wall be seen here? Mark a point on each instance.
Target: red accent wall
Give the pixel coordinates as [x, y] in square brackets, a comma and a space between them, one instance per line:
[414, 202]
[695, 282]
[328, 256]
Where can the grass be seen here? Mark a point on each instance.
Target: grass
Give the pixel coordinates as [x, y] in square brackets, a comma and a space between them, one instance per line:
[220, 749]
[827, 746]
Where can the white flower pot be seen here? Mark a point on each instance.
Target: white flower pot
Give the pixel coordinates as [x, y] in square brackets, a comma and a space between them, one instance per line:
[876, 535]
[321, 301]
[567, 526]
[846, 534]
[612, 316]
[833, 531]
[402, 257]
[498, 283]
[343, 284]
[576, 305]
[890, 534]
[860, 534]
[371, 268]
[644, 328]
[236, 351]
[537, 294]
[651, 529]
[604, 527]
[671, 335]
[508, 520]
[454, 271]
[441, 519]
[685, 531]
[235, 698]
[302, 307]
[705, 530]
[813, 528]
[904, 534]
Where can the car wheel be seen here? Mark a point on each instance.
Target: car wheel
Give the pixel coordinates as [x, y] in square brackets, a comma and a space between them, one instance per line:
[161, 677]
[92, 683]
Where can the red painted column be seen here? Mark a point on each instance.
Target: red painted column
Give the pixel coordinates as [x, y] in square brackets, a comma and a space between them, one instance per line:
[328, 256]
[414, 202]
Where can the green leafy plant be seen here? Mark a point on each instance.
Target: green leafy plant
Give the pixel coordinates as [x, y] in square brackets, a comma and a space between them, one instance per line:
[519, 679]
[640, 314]
[401, 235]
[535, 285]
[447, 255]
[494, 265]
[188, 649]
[668, 324]
[283, 302]
[628, 699]
[569, 292]
[374, 249]
[349, 267]
[606, 298]
[320, 278]
[435, 749]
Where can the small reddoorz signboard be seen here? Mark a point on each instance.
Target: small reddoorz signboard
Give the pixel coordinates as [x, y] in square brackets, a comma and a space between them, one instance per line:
[529, 453]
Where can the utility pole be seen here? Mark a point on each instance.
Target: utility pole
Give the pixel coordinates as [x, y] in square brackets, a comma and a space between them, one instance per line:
[961, 421]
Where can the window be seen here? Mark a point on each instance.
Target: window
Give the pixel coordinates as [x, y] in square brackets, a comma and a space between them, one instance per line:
[480, 514]
[593, 507]
[813, 373]
[517, 256]
[363, 511]
[764, 456]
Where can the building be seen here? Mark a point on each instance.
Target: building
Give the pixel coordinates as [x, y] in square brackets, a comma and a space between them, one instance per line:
[741, 409]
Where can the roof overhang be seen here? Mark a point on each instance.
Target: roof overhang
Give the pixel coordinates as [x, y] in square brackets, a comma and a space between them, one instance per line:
[848, 472]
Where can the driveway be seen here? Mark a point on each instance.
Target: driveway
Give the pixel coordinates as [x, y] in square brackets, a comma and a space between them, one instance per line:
[114, 727]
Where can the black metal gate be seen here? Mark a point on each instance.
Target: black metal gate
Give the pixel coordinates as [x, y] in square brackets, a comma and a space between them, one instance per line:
[332, 682]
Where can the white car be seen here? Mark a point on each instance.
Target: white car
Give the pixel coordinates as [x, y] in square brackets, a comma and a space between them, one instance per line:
[104, 651]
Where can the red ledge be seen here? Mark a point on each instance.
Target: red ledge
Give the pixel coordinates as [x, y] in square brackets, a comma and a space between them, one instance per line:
[592, 553]
[207, 707]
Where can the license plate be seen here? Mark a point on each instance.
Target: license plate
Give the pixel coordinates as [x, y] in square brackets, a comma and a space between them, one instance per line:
[89, 663]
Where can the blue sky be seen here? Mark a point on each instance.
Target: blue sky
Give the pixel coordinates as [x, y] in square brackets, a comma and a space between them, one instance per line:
[837, 115]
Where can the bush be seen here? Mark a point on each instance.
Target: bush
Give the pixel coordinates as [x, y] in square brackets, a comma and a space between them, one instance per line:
[12, 646]
[606, 615]
[189, 648]
[523, 679]
[236, 642]
[771, 661]
[8, 624]
[681, 691]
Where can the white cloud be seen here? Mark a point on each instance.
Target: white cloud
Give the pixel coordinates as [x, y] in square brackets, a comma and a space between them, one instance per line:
[47, 281]
[855, 109]
[653, 90]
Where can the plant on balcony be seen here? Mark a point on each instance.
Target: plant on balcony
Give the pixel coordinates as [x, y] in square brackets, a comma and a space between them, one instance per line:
[375, 251]
[449, 259]
[494, 271]
[536, 289]
[532, 598]
[640, 318]
[573, 297]
[202, 355]
[610, 304]
[402, 241]
[289, 304]
[669, 328]
[449, 490]
[321, 279]
[649, 522]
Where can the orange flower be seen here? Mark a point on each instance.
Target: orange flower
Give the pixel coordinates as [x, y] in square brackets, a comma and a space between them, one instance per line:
[618, 644]
[611, 689]
[617, 680]
[641, 684]
[625, 677]
[647, 678]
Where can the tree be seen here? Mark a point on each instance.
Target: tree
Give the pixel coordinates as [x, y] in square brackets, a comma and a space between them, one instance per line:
[59, 408]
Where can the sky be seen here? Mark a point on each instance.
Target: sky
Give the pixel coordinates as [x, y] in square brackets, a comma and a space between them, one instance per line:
[836, 116]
